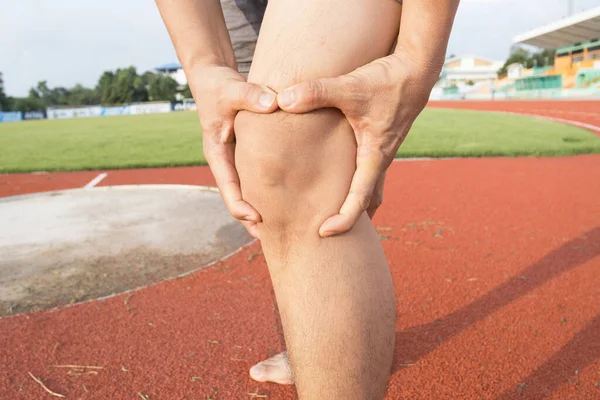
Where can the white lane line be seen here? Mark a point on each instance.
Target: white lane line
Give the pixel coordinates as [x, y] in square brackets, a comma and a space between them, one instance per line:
[96, 180]
[570, 122]
[578, 124]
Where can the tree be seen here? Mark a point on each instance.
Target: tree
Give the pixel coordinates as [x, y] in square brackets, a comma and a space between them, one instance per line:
[528, 60]
[42, 89]
[58, 96]
[541, 59]
[187, 93]
[162, 87]
[129, 87]
[114, 87]
[4, 103]
[517, 55]
[81, 96]
[105, 88]
[140, 90]
[33, 102]
[123, 86]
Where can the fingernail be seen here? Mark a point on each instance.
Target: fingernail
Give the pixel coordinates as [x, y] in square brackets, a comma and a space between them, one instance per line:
[266, 100]
[325, 231]
[257, 372]
[286, 98]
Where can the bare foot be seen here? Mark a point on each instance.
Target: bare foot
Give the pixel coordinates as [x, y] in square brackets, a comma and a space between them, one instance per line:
[275, 369]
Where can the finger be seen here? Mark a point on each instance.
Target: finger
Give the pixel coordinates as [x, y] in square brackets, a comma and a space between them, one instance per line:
[252, 228]
[368, 170]
[377, 197]
[221, 161]
[311, 95]
[250, 97]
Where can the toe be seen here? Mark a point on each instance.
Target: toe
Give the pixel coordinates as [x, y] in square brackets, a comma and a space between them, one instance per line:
[258, 372]
[275, 369]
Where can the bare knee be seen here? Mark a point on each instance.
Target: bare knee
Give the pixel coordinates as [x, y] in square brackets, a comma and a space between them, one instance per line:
[294, 169]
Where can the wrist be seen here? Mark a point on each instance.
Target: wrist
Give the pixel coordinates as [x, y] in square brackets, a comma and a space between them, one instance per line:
[425, 60]
[203, 61]
[208, 73]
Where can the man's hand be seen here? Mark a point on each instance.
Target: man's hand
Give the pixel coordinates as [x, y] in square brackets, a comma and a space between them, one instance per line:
[220, 92]
[381, 100]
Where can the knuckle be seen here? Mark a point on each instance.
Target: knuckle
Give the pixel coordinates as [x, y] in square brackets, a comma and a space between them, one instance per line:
[221, 98]
[245, 93]
[377, 156]
[315, 92]
[215, 152]
[355, 93]
[349, 83]
[386, 158]
[209, 130]
[234, 209]
[364, 202]
[363, 199]
[236, 214]
[229, 96]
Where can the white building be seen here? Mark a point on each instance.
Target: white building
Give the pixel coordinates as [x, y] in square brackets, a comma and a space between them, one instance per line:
[466, 69]
[515, 70]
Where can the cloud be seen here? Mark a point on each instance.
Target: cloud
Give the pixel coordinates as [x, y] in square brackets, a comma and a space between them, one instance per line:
[74, 41]
[71, 41]
[487, 27]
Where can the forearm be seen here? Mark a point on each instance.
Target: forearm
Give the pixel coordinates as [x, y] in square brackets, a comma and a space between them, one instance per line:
[425, 30]
[198, 31]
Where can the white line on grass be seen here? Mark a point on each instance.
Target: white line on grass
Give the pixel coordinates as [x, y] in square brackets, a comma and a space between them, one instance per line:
[569, 122]
[96, 180]
[578, 124]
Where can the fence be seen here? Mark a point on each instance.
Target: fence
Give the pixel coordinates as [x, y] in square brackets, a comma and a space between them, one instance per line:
[99, 111]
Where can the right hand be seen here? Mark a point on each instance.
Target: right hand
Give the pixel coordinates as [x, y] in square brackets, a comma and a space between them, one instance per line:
[220, 92]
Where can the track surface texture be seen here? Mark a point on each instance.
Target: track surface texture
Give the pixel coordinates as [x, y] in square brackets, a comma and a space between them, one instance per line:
[495, 263]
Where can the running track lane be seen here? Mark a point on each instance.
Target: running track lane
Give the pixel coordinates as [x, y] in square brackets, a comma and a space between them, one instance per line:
[495, 263]
[582, 111]
[16, 184]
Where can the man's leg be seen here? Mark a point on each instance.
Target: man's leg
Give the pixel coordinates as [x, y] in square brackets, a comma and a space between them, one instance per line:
[335, 295]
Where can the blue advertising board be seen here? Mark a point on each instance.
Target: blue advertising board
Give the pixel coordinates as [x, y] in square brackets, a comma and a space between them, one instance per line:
[12, 116]
[110, 111]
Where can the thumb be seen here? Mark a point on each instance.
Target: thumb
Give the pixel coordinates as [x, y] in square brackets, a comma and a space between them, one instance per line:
[312, 95]
[251, 97]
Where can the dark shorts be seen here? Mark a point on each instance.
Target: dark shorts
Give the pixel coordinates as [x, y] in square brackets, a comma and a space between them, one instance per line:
[243, 19]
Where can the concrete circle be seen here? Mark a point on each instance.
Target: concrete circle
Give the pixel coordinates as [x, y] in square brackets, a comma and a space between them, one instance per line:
[63, 247]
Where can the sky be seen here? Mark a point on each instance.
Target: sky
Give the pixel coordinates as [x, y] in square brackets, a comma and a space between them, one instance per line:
[73, 41]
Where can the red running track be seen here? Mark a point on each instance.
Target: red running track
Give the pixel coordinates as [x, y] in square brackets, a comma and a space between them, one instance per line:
[495, 263]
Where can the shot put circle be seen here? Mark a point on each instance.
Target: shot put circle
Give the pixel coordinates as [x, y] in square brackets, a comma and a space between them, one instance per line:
[68, 246]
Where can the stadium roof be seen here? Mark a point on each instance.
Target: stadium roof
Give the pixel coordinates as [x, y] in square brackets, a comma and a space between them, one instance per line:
[577, 28]
[168, 67]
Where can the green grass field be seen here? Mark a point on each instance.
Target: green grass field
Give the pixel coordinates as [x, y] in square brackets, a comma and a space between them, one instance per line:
[175, 139]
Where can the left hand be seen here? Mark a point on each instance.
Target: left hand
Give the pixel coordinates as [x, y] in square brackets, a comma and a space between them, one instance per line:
[220, 92]
[381, 100]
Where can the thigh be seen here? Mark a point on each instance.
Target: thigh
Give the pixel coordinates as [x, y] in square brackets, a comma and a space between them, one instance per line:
[307, 39]
[306, 162]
